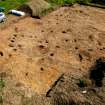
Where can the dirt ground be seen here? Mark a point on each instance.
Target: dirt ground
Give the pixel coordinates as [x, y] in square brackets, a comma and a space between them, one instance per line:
[41, 60]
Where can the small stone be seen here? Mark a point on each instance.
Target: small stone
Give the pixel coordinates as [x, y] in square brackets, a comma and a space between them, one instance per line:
[84, 92]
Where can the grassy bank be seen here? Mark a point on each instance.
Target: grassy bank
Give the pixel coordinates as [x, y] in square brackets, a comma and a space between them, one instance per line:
[66, 2]
[11, 4]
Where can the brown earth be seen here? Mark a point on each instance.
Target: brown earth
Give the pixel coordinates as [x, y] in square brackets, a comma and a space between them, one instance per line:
[36, 53]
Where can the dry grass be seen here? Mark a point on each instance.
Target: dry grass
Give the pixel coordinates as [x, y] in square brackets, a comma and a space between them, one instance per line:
[36, 7]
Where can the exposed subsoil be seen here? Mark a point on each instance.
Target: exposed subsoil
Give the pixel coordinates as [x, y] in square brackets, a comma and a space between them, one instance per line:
[43, 59]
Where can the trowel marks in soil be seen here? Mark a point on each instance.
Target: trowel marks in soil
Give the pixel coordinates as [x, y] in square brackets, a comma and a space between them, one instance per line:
[97, 72]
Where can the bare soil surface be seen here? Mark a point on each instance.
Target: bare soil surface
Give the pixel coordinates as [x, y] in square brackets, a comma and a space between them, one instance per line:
[41, 60]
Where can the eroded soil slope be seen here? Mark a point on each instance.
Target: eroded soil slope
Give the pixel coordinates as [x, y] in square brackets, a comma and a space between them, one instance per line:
[36, 53]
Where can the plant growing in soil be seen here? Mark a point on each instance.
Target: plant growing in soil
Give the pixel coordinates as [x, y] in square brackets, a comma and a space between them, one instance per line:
[2, 84]
[82, 83]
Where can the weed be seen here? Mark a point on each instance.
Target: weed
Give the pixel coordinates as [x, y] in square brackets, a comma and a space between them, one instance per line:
[2, 84]
[82, 83]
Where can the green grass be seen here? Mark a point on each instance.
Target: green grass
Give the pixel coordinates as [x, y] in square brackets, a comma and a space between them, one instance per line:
[82, 83]
[2, 84]
[11, 4]
[14, 4]
[64, 2]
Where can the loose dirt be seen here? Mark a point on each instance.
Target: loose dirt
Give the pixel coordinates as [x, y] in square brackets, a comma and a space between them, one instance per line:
[37, 52]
